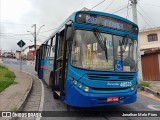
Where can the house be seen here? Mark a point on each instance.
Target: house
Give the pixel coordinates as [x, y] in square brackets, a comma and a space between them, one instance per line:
[18, 53]
[150, 45]
[28, 52]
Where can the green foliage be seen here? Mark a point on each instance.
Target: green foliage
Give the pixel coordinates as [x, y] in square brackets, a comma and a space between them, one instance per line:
[2, 67]
[143, 84]
[10, 74]
[6, 78]
[14, 109]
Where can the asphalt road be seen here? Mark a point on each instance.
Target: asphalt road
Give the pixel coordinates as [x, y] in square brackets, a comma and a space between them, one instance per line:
[143, 103]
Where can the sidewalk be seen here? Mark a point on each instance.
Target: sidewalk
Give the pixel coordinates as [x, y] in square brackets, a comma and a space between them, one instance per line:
[155, 85]
[13, 97]
[154, 88]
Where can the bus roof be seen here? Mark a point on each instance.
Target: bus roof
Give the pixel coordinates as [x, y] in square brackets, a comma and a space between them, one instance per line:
[73, 15]
[109, 15]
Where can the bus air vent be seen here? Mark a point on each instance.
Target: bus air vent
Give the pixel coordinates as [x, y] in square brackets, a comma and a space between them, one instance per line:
[110, 77]
[110, 89]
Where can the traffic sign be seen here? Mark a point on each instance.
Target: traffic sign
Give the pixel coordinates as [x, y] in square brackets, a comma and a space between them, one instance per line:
[21, 43]
[118, 65]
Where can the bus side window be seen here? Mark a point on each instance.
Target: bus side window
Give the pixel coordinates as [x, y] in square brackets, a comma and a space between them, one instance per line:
[52, 47]
[52, 51]
[49, 47]
[43, 51]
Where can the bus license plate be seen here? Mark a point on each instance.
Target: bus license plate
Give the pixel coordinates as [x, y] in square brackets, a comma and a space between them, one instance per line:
[112, 99]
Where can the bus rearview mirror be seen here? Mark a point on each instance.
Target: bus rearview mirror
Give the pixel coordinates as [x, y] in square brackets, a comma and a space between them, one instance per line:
[69, 33]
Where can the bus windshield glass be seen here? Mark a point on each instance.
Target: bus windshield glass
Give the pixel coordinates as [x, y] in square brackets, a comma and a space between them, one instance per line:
[88, 53]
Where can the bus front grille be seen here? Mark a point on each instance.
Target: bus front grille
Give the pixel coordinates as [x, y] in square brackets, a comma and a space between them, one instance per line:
[110, 77]
[110, 89]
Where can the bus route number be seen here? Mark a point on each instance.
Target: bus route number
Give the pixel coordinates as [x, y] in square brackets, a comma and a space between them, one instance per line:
[91, 19]
[126, 84]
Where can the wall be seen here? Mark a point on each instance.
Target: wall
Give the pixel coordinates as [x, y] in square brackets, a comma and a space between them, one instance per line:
[26, 51]
[144, 44]
[159, 62]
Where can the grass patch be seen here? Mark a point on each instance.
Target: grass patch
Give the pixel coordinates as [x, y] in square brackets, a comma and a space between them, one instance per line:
[143, 84]
[6, 78]
[14, 109]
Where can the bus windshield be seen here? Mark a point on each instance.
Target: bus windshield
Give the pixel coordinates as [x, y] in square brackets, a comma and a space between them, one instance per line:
[88, 53]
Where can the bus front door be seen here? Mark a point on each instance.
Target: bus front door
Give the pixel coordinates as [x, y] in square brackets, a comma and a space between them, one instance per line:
[59, 66]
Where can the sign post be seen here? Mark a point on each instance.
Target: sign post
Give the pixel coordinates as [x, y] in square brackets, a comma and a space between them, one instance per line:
[21, 43]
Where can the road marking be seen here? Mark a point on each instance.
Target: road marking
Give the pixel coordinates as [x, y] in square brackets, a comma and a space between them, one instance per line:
[154, 107]
[149, 96]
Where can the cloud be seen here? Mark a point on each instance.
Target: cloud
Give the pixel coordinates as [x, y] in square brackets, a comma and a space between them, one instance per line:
[51, 13]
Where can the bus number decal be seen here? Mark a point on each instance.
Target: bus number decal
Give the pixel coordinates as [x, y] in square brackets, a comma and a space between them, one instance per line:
[126, 84]
[91, 19]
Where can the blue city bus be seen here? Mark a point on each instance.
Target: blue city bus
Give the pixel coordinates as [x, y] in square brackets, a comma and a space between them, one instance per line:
[39, 62]
[91, 60]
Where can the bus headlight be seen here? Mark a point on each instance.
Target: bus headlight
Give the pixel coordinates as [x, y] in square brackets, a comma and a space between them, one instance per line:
[133, 87]
[86, 89]
[80, 86]
[75, 82]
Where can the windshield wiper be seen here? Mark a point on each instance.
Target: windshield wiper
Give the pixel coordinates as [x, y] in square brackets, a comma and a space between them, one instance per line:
[124, 44]
[101, 41]
[121, 50]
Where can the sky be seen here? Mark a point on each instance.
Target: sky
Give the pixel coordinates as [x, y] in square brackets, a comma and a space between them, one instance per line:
[18, 16]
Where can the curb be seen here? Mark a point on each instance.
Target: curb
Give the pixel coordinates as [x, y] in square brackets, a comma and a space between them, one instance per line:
[23, 101]
[42, 96]
[156, 93]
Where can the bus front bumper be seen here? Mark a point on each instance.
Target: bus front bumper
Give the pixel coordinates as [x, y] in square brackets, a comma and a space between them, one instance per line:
[78, 98]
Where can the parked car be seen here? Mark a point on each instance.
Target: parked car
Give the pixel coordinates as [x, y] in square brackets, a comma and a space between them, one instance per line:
[8, 55]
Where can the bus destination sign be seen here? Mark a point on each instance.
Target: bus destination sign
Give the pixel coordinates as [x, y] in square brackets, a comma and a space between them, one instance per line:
[105, 21]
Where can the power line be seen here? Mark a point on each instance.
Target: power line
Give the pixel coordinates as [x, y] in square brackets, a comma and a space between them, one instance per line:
[48, 30]
[23, 34]
[146, 15]
[12, 37]
[150, 4]
[98, 4]
[18, 39]
[14, 23]
[43, 36]
[119, 10]
[127, 9]
[15, 34]
[109, 5]
[144, 19]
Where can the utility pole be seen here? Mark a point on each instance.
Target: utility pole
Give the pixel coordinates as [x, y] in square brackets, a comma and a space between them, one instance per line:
[135, 20]
[134, 11]
[35, 37]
